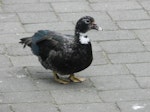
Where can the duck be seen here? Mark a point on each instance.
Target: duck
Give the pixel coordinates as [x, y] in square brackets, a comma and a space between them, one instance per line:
[64, 54]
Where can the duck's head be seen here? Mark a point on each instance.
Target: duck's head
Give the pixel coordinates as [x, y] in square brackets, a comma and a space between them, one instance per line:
[85, 24]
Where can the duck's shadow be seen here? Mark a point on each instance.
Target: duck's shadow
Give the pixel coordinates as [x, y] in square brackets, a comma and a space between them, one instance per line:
[44, 80]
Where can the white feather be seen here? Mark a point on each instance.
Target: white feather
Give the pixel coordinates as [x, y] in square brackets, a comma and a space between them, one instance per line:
[83, 38]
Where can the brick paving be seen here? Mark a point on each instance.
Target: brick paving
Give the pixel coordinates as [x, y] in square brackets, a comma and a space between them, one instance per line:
[118, 79]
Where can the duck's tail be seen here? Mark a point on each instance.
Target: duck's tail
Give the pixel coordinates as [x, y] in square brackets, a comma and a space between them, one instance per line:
[27, 41]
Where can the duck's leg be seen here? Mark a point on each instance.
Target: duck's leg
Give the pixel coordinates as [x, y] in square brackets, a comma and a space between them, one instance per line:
[61, 81]
[73, 78]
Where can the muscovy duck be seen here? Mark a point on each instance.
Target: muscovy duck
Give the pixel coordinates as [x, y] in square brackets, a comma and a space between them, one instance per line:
[64, 54]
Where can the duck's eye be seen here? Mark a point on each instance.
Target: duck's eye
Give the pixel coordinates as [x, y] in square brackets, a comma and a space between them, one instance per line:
[87, 21]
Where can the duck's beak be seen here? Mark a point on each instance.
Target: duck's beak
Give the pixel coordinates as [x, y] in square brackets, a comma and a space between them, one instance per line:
[96, 27]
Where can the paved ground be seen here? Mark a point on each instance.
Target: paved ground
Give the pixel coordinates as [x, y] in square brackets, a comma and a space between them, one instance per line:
[118, 79]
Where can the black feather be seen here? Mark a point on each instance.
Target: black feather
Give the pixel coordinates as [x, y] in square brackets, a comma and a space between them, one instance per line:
[26, 41]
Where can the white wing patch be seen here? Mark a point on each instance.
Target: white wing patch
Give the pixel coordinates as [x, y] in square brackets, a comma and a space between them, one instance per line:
[83, 38]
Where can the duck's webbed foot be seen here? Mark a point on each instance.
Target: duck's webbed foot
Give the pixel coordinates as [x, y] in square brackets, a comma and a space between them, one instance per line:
[59, 80]
[76, 79]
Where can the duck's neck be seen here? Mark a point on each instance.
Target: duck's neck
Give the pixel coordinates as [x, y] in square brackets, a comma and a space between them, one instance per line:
[82, 38]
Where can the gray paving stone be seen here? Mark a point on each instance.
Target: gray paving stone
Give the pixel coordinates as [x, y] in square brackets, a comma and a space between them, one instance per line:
[51, 84]
[98, 16]
[5, 108]
[13, 38]
[61, 0]
[148, 12]
[141, 69]
[138, 106]
[143, 35]
[26, 97]
[114, 83]
[95, 107]
[122, 46]
[144, 24]
[18, 61]
[16, 84]
[125, 95]
[18, 1]
[69, 32]
[39, 72]
[49, 26]
[99, 58]
[146, 4]
[34, 107]
[111, 35]
[143, 0]
[107, 25]
[144, 82]
[8, 17]
[13, 72]
[129, 15]
[1, 9]
[11, 27]
[96, 47]
[104, 70]
[147, 47]
[4, 62]
[72, 96]
[110, 0]
[27, 7]
[71, 6]
[120, 5]
[2, 49]
[130, 57]
[37, 17]
[17, 50]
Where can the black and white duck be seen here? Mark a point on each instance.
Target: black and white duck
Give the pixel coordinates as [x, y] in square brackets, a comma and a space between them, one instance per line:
[64, 54]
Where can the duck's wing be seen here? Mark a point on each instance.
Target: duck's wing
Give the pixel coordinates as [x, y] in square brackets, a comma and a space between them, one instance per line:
[46, 41]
